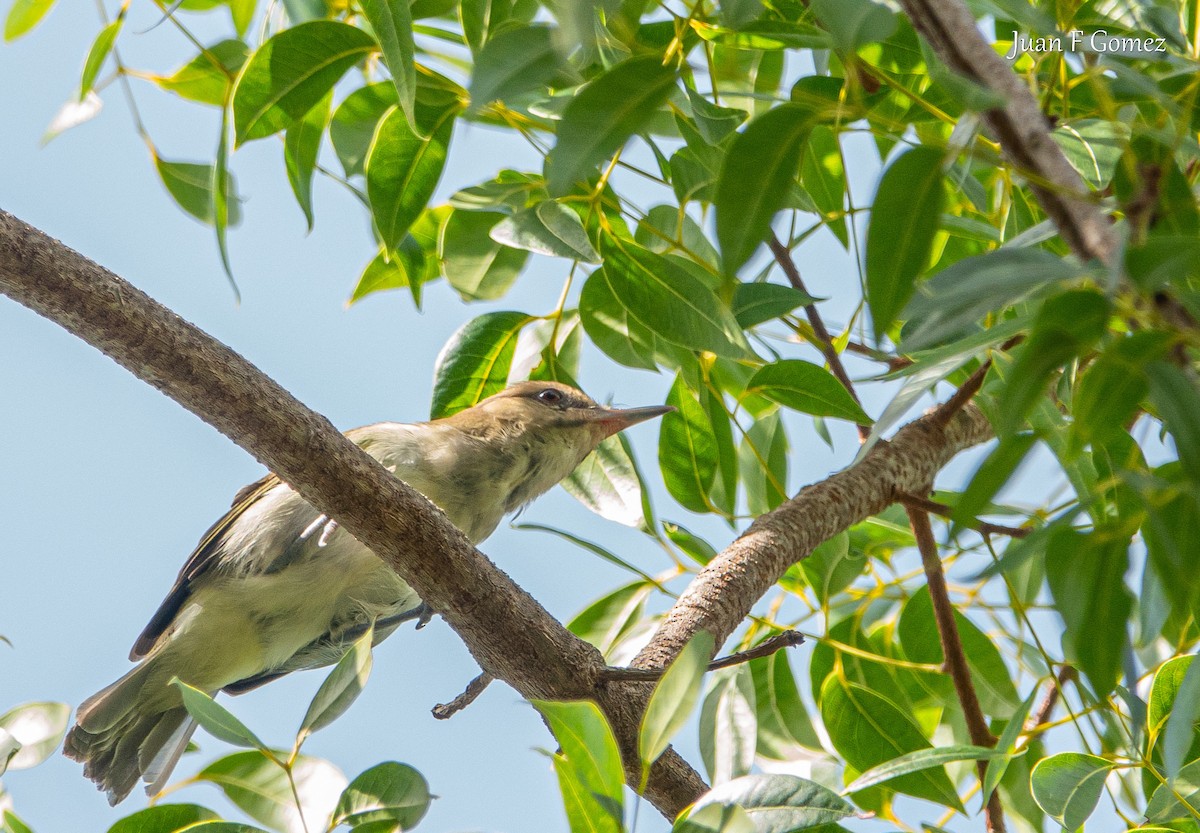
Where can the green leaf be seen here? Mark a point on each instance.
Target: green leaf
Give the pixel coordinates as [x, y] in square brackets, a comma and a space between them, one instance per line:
[301, 144]
[757, 303]
[1068, 785]
[670, 301]
[1093, 147]
[612, 327]
[1176, 799]
[516, 61]
[715, 818]
[756, 177]
[763, 460]
[99, 52]
[687, 449]
[261, 789]
[1007, 744]
[355, 122]
[1066, 325]
[782, 719]
[950, 303]
[208, 77]
[403, 168]
[917, 629]
[666, 229]
[995, 470]
[674, 698]
[824, 179]
[854, 23]
[779, 803]
[608, 483]
[224, 200]
[412, 265]
[1180, 729]
[608, 620]
[548, 228]
[388, 792]
[1110, 391]
[392, 22]
[904, 219]
[591, 547]
[341, 688]
[869, 730]
[475, 362]
[714, 122]
[23, 16]
[807, 388]
[724, 489]
[832, 567]
[479, 268]
[919, 761]
[164, 818]
[1167, 682]
[291, 72]
[223, 827]
[215, 718]
[190, 185]
[1178, 402]
[729, 726]
[585, 812]
[1086, 576]
[603, 115]
[37, 728]
[590, 749]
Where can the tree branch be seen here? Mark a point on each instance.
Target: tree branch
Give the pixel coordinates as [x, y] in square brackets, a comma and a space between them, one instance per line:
[723, 593]
[785, 639]
[932, 506]
[956, 658]
[511, 636]
[1019, 125]
[784, 258]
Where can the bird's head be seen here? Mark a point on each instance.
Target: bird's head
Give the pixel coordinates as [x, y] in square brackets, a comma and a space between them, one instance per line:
[553, 408]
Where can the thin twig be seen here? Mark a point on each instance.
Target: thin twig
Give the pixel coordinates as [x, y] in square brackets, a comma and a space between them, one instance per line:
[941, 509]
[784, 258]
[893, 363]
[786, 639]
[444, 711]
[956, 658]
[946, 411]
[1053, 693]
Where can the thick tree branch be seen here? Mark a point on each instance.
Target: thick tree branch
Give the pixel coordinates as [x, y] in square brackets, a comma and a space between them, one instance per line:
[1019, 125]
[723, 593]
[955, 656]
[511, 636]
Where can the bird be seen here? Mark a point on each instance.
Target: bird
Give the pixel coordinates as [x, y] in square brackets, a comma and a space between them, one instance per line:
[276, 586]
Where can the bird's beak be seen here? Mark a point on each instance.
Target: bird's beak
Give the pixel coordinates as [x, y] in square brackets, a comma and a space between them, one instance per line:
[613, 420]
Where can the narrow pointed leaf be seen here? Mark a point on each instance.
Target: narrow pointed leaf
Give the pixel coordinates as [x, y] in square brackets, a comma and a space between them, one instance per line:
[674, 697]
[393, 25]
[602, 117]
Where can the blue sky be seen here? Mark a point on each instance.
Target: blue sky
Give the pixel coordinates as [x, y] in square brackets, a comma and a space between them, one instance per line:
[107, 485]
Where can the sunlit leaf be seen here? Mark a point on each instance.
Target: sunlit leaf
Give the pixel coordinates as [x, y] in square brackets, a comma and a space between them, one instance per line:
[474, 363]
[674, 697]
[291, 72]
[389, 793]
[602, 117]
[1068, 786]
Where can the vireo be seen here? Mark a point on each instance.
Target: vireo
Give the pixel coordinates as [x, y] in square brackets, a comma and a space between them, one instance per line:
[274, 586]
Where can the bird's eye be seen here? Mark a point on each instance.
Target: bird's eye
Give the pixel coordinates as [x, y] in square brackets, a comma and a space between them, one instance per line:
[550, 396]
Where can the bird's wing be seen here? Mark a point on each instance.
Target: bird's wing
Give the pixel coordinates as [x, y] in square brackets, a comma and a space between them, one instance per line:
[202, 559]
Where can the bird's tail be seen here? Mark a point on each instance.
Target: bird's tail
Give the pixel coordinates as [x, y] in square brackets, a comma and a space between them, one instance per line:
[130, 730]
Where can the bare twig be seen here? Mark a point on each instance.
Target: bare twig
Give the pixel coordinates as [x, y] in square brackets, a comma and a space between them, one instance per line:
[934, 507]
[784, 258]
[956, 658]
[786, 639]
[444, 711]
[1046, 708]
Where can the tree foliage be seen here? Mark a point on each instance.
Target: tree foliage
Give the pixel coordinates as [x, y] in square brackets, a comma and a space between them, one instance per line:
[691, 152]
